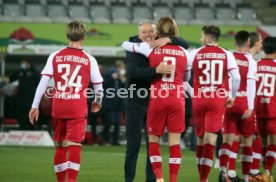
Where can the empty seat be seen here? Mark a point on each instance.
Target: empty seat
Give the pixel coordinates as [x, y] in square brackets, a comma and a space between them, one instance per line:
[161, 9]
[57, 12]
[225, 14]
[190, 2]
[77, 11]
[233, 3]
[211, 3]
[203, 14]
[183, 14]
[246, 14]
[141, 12]
[36, 12]
[120, 13]
[13, 11]
[99, 12]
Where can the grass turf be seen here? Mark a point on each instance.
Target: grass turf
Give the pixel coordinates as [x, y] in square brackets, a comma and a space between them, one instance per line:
[99, 164]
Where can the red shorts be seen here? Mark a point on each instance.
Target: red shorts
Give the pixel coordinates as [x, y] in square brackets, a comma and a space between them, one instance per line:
[160, 116]
[69, 129]
[233, 122]
[208, 115]
[266, 126]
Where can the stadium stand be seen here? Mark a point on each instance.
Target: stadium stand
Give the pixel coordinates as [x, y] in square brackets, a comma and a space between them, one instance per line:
[57, 11]
[99, 12]
[120, 12]
[140, 12]
[77, 10]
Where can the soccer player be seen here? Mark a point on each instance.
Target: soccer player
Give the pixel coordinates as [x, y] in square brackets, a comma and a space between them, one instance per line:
[266, 103]
[211, 65]
[239, 118]
[255, 47]
[166, 106]
[72, 69]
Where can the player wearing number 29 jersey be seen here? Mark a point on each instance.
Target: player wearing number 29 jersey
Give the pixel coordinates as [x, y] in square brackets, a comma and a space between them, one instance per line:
[72, 69]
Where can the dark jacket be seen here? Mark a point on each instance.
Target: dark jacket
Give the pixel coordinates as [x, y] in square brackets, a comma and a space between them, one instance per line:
[140, 73]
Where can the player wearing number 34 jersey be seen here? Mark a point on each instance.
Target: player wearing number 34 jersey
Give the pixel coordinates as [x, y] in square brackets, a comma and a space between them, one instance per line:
[72, 69]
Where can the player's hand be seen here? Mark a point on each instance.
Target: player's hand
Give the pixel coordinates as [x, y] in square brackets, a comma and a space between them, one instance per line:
[229, 103]
[95, 107]
[156, 44]
[247, 114]
[163, 68]
[33, 115]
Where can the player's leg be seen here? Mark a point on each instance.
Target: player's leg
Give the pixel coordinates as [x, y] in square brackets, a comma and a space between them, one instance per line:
[175, 155]
[206, 160]
[60, 157]
[271, 147]
[257, 155]
[232, 174]
[155, 156]
[75, 132]
[224, 154]
[199, 151]
[246, 156]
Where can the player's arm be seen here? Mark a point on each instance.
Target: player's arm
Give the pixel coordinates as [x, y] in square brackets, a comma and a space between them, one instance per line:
[251, 88]
[236, 78]
[97, 80]
[47, 73]
[141, 48]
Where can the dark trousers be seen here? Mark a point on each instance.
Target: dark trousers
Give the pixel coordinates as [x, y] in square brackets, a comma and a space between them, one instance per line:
[135, 122]
[112, 116]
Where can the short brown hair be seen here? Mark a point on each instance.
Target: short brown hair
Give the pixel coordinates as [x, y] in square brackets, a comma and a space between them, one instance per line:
[166, 26]
[75, 31]
[211, 30]
[254, 37]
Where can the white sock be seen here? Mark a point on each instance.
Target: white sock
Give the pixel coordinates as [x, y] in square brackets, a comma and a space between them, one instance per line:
[232, 173]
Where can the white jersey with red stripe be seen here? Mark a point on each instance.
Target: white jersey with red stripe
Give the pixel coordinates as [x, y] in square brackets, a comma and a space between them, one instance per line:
[211, 65]
[170, 54]
[266, 86]
[73, 70]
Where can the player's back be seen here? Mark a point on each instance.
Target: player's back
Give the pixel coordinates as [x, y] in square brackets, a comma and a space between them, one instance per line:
[210, 71]
[172, 84]
[266, 86]
[71, 68]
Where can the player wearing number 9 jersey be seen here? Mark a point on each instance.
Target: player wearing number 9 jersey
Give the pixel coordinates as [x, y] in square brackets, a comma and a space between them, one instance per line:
[266, 103]
[167, 103]
[211, 65]
[72, 69]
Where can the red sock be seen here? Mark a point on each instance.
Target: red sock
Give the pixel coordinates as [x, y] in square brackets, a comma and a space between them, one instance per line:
[74, 156]
[60, 163]
[257, 153]
[206, 161]
[246, 159]
[224, 154]
[155, 159]
[199, 152]
[233, 155]
[175, 161]
[270, 157]
[264, 150]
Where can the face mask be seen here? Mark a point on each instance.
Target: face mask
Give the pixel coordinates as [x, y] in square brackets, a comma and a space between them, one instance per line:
[23, 66]
[122, 72]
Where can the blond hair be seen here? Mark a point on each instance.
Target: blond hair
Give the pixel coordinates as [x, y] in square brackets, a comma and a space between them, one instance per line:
[166, 27]
[75, 31]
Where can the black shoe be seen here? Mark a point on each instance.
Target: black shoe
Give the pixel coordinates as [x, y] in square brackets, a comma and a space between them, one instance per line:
[222, 176]
[234, 179]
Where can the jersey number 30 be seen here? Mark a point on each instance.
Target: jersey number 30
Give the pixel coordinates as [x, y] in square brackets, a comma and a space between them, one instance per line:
[212, 70]
[73, 81]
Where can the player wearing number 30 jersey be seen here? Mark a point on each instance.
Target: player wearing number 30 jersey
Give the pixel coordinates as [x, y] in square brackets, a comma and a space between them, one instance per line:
[166, 105]
[211, 65]
[72, 69]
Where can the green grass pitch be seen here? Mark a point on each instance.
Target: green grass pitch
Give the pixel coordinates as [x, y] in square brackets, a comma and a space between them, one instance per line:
[98, 164]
